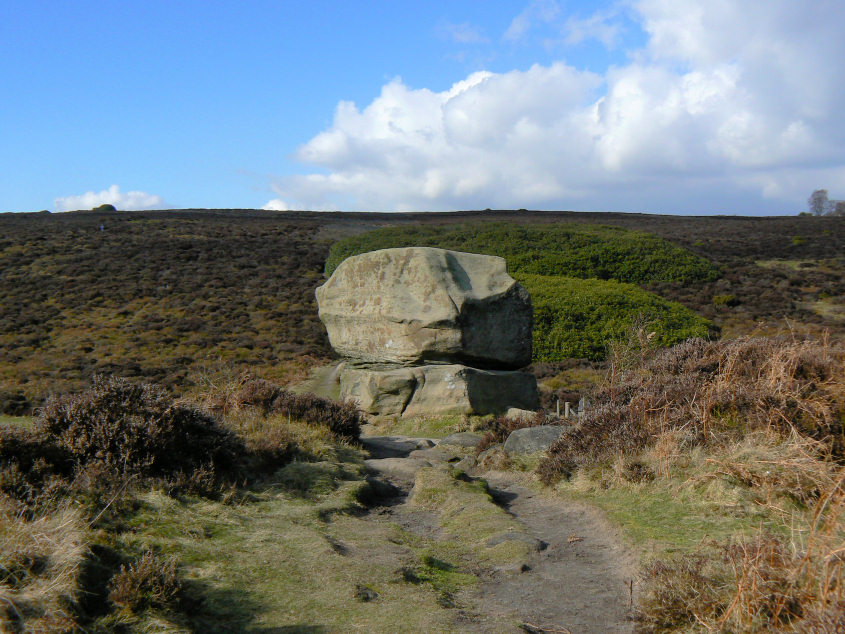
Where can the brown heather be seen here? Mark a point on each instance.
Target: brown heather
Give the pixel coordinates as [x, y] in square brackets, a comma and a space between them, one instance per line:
[702, 392]
[149, 581]
[762, 414]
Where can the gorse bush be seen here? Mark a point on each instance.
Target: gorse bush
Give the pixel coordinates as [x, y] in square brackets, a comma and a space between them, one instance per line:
[579, 318]
[571, 250]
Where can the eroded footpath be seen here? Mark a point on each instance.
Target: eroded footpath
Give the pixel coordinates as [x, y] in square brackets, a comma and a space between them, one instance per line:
[543, 564]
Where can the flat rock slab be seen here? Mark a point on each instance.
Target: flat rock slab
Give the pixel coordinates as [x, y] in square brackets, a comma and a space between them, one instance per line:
[530, 440]
[434, 454]
[437, 390]
[414, 305]
[390, 446]
[461, 439]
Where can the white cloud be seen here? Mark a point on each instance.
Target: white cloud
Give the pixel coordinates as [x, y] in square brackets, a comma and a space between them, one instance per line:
[538, 11]
[277, 204]
[128, 201]
[600, 26]
[728, 104]
[464, 33]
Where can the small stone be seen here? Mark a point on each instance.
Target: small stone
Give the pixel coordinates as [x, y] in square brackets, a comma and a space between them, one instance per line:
[365, 593]
[530, 440]
[465, 464]
[514, 413]
[402, 468]
[425, 443]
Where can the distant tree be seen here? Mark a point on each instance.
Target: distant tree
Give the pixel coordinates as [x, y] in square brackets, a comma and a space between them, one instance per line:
[818, 202]
[110, 207]
[838, 208]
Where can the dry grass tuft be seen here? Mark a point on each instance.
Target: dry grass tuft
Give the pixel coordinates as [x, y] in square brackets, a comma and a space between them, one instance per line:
[40, 560]
[149, 581]
[245, 391]
[757, 584]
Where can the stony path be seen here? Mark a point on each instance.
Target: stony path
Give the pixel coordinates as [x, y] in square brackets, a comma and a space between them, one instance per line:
[580, 581]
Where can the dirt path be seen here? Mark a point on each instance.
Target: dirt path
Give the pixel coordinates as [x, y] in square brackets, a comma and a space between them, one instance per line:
[579, 581]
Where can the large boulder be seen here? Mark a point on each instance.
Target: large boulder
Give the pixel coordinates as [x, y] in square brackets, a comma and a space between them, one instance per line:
[418, 305]
[437, 390]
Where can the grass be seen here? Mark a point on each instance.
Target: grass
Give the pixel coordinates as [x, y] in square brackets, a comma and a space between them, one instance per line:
[18, 421]
[275, 563]
[827, 308]
[428, 426]
[469, 516]
[723, 463]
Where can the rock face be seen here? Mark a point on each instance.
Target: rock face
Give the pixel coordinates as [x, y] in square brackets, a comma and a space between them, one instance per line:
[417, 305]
[429, 331]
[437, 389]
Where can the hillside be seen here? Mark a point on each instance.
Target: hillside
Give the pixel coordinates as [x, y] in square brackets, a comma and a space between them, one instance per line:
[166, 295]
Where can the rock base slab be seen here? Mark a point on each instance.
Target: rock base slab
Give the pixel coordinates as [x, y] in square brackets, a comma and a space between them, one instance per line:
[438, 390]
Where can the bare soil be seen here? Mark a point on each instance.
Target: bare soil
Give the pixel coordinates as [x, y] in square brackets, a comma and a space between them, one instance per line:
[580, 580]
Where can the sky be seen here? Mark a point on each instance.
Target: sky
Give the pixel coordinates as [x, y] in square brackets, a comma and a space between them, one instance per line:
[656, 106]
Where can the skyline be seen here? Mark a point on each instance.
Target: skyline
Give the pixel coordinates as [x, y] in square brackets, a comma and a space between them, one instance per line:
[639, 106]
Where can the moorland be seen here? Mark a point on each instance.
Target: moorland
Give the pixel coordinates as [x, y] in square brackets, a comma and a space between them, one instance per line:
[156, 471]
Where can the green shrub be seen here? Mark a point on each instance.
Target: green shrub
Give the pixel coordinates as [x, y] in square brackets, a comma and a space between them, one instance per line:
[579, 318]
[725, 300]
[573, 250]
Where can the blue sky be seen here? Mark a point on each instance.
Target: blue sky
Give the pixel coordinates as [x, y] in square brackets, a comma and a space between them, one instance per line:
[665, 106]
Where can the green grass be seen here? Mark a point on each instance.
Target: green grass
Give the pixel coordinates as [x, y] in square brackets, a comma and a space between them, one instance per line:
[659, 521]
[429, 426]
[19, 421]
[284, 561]
[468, 515]
[296, 554]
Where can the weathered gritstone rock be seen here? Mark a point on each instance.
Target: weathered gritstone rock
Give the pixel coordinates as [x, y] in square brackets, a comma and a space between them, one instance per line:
[532, 439]
[414, 305]
[438, 390]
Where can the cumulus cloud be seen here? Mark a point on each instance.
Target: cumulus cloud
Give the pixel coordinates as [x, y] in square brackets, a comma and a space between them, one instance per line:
[730, 106]
[129, 201]
[277, 204]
